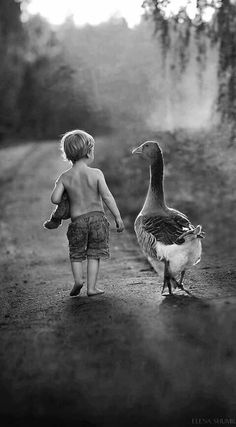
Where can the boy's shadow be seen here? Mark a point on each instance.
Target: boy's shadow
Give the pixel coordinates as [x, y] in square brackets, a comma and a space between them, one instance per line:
[85, 312]
[97, 320]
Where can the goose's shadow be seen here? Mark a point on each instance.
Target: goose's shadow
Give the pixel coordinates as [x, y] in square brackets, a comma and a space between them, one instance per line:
[183, 301]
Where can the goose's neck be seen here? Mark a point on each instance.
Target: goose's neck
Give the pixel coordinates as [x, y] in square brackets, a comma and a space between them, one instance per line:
[155, 200]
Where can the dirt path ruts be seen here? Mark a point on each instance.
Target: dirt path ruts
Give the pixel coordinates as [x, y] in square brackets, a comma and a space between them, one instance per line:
[130, 357]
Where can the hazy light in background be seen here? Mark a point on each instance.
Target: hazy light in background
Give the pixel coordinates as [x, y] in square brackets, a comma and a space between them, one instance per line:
[191, 9]
[96, 11]
[208, 14]
[83, 11]
[174, 6]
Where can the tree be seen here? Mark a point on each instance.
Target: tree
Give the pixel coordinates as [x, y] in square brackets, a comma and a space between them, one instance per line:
[220, 30]
[11, 52]
[56, 95]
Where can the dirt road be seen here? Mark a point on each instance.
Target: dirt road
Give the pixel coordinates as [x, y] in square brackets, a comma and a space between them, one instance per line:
[130, 357]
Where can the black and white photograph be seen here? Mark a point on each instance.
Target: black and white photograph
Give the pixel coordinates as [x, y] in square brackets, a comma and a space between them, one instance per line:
[117, 213]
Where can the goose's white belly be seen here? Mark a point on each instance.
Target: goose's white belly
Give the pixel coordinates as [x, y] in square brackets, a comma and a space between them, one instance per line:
[180, 257]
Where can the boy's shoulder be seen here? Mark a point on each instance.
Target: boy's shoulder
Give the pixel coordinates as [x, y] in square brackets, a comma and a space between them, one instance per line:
[65, 174]
[97, 172]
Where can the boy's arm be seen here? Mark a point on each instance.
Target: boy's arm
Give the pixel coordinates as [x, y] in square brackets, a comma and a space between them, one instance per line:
[109, 201]
[58, 191]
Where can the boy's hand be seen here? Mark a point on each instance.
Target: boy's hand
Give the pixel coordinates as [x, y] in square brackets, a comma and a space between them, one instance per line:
[119, 225]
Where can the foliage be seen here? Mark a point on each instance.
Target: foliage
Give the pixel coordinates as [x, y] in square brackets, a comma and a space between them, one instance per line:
[42, 95]
[221, 30]
[51, 98]
[11, 48]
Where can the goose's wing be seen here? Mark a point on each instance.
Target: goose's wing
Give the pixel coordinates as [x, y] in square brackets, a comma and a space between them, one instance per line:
[162, 229]
[167, 229]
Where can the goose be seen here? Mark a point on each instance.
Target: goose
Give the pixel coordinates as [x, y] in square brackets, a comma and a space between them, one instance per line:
[165, 234]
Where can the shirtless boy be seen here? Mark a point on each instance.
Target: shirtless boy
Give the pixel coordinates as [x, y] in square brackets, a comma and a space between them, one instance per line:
[88, 232]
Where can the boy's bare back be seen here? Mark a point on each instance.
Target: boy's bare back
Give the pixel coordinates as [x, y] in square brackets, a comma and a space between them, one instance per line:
[85, 186]
[82, 185]
[87, 189]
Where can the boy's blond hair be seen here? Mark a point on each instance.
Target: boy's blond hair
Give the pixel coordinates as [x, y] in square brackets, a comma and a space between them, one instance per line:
[76, 144]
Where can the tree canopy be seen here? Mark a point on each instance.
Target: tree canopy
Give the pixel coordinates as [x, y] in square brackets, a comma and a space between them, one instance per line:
[220, 30]
[41, 94]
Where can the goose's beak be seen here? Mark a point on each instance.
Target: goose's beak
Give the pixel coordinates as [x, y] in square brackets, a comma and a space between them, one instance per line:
[137, 150]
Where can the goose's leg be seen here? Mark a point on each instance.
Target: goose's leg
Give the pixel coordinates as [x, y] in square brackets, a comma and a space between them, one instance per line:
[181, 283]
[182, 277]
[169, 285]
[167, 278]
[164, 285]
[176, 283]
[164, 282]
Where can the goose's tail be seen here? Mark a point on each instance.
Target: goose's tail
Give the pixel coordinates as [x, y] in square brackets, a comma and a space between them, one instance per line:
[194, 233]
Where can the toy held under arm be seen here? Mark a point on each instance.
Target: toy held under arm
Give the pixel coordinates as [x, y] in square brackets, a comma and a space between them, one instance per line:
[61, 212]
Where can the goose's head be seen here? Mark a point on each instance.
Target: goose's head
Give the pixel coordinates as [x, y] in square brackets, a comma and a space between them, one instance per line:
[149, 151]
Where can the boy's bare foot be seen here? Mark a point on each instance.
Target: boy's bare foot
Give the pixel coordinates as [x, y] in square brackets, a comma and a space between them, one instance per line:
[95, 292]
[76, 290]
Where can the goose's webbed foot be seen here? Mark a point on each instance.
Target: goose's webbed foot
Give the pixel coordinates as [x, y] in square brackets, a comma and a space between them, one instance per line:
[169, 287]
[185, 290]
[168, 284]
[179, 284]
[175, 282]
[164, 285]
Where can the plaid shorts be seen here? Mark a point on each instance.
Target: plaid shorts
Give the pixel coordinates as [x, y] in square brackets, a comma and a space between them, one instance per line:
[88, 236]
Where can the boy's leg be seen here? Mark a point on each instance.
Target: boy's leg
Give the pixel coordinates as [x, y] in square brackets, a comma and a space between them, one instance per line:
[77, 270]
[97, 248]
[61, 212]
[92, 274]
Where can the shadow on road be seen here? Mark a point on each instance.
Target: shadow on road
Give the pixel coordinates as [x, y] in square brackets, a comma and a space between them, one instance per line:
[184, 301]
[128, 358]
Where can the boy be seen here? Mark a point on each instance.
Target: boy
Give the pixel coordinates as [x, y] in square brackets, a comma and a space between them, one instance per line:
[86, 189]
